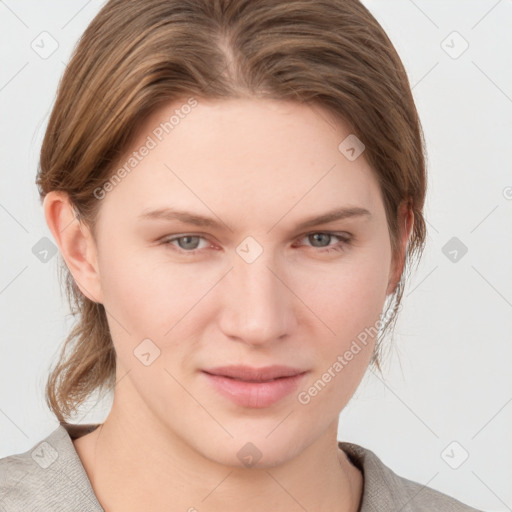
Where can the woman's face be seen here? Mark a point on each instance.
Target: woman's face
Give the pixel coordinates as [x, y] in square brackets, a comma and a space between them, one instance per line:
[249, 286]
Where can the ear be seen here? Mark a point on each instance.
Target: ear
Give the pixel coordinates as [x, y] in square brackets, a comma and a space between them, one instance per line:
[75, 242]
[405, 224]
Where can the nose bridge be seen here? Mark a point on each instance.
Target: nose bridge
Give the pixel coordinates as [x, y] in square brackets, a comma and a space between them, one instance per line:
[257, 308]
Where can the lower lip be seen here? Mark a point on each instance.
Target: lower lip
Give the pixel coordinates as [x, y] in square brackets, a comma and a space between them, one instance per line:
[255, 394]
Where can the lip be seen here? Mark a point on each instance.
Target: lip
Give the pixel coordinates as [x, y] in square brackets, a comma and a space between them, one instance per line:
[254, 387]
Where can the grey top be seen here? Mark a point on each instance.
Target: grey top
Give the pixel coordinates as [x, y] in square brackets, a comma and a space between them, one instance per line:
[50, 477]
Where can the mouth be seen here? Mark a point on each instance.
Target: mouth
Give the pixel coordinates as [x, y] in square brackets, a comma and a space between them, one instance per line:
[254, 387]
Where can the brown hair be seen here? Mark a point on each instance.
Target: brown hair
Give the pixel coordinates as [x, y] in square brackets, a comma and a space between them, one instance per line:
[137, 55]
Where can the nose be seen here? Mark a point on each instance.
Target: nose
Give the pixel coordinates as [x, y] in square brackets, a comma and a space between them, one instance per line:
[257, 305]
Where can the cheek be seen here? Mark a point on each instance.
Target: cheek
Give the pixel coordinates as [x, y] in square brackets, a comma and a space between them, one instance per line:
[145, 289]
[349, 296]
[349, 301]
[350, 305]
[149, 297]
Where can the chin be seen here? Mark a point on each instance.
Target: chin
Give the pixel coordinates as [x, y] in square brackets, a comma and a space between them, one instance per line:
[253, 451]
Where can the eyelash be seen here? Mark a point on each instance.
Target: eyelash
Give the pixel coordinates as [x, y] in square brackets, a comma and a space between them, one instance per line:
[345, 239]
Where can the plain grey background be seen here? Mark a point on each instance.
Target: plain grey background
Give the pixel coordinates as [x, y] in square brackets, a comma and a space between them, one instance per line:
[443, 414]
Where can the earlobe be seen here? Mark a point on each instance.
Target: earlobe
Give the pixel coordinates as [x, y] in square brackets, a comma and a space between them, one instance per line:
[75, 242]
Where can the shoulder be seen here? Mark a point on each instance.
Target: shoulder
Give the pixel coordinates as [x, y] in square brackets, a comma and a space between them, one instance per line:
[384, 490]
[48, 476]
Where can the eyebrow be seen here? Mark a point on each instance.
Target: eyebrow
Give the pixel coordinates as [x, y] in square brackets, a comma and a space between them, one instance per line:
[209, 222]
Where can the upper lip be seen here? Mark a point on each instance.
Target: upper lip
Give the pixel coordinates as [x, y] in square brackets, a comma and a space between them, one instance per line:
[255, 374]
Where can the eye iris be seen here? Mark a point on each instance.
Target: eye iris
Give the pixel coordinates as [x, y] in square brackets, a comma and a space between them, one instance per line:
[188, 238]
[321, 235]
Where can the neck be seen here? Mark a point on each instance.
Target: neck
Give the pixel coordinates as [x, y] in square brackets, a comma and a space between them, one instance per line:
[132, 464]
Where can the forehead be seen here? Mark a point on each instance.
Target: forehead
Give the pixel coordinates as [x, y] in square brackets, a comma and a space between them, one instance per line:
[241, 157]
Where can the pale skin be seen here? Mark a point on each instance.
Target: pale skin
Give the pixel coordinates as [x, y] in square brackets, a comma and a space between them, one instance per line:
[259, 168]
